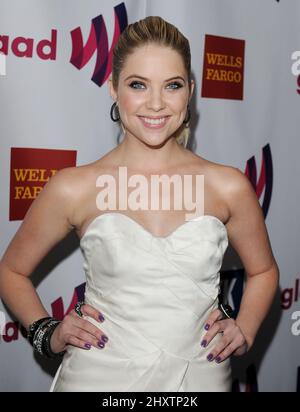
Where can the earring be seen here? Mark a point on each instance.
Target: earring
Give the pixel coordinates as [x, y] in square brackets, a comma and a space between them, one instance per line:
[186, 120]
[114, 119]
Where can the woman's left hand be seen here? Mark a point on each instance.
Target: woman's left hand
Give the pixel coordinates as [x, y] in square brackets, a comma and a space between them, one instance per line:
[233, 341]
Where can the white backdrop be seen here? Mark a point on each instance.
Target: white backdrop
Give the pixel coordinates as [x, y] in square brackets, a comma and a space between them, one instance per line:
[48, 103]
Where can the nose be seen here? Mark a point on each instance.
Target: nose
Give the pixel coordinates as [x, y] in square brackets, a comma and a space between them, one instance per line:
[155, 101]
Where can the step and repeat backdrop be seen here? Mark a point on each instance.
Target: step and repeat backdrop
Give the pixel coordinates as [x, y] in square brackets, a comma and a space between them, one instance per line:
[55, 112]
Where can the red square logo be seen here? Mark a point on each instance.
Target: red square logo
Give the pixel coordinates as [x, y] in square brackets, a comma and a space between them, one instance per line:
[223, 68]
[30, 170]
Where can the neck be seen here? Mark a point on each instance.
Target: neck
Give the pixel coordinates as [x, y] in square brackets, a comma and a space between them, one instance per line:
[137, 155]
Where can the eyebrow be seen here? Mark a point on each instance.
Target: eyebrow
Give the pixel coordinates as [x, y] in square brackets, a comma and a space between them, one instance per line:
[144, 78]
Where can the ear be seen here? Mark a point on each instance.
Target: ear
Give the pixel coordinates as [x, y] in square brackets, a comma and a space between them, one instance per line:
[111, 89]
[192, 89]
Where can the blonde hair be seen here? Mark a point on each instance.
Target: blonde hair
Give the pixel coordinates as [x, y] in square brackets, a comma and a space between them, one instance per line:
[152, 29]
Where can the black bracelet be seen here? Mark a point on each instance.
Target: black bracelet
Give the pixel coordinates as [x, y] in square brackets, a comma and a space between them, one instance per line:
[39, 336]
[46, 340]
[226, 310]
[34, 327]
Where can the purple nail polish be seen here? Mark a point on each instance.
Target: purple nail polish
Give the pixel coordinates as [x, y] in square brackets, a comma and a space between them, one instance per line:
[206, 327]
[204, 343]
[101, 318]
[210, 357]
[88, 346]
[101, 344]
[218, 359]
[104, 338]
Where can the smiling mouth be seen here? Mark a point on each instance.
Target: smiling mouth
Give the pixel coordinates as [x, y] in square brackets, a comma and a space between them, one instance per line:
[154, 122]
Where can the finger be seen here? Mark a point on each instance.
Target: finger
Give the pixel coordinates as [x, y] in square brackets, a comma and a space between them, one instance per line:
[227, 351]
[79, 343]
[89, 310]
[221, 346]
[86, 337]
[231, 342]
[216, 328]
[213, 317]
[90, 328]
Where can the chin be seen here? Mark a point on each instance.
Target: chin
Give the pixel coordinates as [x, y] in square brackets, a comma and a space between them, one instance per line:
[155, 141]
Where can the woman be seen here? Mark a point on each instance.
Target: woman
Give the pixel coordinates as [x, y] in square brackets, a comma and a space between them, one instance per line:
[150, 321]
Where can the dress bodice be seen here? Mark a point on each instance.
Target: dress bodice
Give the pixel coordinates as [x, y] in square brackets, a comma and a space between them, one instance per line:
[156, 294]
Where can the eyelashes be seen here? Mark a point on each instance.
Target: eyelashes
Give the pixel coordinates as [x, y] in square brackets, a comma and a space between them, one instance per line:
[134, 83]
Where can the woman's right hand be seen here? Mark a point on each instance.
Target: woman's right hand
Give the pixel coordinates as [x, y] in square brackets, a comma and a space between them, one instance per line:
[76, 331]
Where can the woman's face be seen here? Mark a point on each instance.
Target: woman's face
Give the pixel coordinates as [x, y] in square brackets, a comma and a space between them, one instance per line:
[153, 94]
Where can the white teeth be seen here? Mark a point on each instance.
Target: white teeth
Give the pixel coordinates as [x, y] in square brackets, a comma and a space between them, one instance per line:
[152, 121]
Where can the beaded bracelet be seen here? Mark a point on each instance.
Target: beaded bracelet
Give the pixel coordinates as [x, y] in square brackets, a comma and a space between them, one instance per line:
[51, 326]
[40, 335]
[34, 327]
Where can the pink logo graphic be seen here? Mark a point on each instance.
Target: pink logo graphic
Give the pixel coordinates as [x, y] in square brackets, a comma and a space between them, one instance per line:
[98, 40]
[58, 311]
[265, 181]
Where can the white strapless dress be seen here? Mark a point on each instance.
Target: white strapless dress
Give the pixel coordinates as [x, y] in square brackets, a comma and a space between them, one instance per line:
[155, 294]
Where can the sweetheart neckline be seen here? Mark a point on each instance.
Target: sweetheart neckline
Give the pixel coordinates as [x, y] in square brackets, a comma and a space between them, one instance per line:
[147, 231]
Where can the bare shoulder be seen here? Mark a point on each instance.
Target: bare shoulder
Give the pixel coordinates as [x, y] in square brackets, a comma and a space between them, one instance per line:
[72, 185]
[237, 190]
[68, 185]
[46, 222]
[50, 217]
[233, 187]
[233, 177]
[220, 173]
[81, 183]
[224, 184]
[212, 169]
[245, 225]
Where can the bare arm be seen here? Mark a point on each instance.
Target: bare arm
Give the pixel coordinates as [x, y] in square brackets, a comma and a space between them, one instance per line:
[47, 222]
[248, 235]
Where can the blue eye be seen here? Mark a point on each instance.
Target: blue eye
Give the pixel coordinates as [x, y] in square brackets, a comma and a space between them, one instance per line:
[178, 85]
[135, 83]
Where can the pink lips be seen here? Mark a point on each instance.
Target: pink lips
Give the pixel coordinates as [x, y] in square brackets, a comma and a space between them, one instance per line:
[155, 126]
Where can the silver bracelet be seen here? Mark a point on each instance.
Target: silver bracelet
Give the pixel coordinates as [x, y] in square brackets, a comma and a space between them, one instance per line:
[46, 347]
[38, 336]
